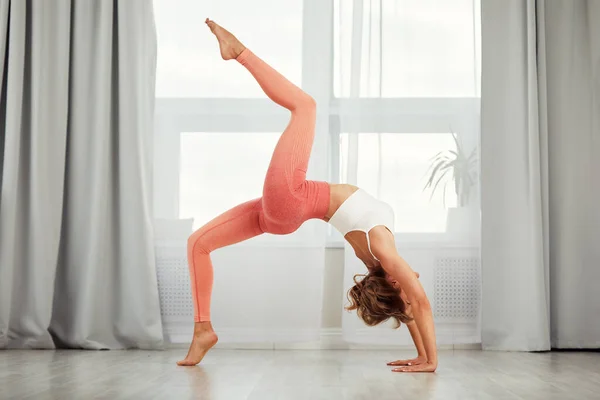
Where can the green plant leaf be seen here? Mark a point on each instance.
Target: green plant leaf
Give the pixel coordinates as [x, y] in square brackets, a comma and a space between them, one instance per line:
[437, 183]
[473, 153]
[444, 196]
[438, 166]
[441, 158]
[453, 152]
[464, 170]
[455, 137]
[456, 183]
[437, 155]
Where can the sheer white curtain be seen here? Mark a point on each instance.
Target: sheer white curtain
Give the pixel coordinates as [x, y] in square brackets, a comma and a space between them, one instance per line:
[406, 88]
[215, 134]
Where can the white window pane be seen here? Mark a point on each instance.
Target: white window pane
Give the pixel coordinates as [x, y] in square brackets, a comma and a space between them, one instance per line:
[408, 48]
[218, 171]
[189, 63]
[395, 168]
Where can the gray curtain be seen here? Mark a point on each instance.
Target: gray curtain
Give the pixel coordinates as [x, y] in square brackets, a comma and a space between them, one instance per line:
[540, 174]
[76, 114]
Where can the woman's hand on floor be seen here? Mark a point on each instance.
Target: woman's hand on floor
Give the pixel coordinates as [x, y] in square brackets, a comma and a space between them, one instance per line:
[424, 367]
[414, 361]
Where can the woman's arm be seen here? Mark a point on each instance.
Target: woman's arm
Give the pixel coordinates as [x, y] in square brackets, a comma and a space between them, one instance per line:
[384, 248]
[417, 340]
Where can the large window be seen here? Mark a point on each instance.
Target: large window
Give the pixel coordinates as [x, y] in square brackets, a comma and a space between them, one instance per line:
[392, 167]
[389, 94]
[212, 164]
[189, 64]
[410, 48]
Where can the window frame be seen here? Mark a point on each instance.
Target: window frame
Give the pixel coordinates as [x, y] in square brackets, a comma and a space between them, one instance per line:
[391, 115]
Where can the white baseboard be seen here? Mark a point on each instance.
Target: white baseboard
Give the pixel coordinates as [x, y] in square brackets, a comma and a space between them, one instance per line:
[179, 335]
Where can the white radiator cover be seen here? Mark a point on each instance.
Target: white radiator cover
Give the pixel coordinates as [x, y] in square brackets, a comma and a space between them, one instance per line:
[457, 289]
[174, 284]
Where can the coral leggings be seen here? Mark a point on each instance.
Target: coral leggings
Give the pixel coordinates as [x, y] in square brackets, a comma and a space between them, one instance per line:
[288, 198]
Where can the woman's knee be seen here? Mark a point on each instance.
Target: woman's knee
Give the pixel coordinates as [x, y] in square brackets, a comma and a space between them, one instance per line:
[197, 244]
[306, 103]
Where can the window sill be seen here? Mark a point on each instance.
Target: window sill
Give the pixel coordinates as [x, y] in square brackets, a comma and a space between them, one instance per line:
[334, 244]
[404, 240]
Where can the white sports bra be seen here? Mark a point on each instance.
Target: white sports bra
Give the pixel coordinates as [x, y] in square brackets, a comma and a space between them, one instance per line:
[362, 212]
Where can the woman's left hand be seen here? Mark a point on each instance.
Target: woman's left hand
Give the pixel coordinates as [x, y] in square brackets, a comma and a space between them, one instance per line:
[414, 361]
[425, 367]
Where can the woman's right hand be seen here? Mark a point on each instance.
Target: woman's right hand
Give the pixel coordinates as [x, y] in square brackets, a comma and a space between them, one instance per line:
[415, 361]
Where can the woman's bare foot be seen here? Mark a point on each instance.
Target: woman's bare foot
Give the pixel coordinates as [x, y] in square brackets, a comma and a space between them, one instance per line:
[204, 339]
[229, 45]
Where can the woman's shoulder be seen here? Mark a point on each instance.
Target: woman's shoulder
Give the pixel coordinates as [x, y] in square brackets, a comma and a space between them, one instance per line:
[382, 241]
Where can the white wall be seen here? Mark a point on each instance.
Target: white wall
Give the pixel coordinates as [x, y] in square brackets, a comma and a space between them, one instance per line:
[333, 293]
[178, 323]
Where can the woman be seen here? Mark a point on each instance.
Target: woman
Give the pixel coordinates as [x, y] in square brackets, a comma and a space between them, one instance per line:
[288, 201]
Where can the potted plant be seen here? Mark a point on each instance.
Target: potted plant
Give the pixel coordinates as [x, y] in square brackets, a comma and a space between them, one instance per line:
[463, 170]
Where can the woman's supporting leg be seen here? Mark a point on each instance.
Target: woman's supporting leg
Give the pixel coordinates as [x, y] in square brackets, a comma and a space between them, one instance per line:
[236, 225]
[233, 226]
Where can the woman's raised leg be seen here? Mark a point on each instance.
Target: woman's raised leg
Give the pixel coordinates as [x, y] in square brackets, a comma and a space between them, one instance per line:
[285, 184]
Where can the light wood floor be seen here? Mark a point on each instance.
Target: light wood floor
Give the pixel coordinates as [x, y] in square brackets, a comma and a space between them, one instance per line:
[298, 374]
